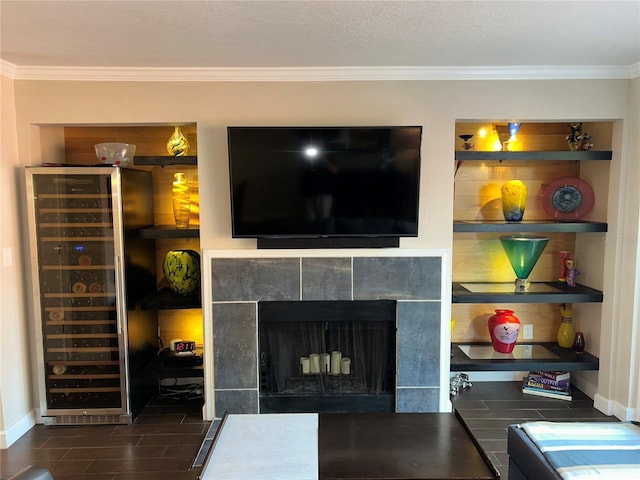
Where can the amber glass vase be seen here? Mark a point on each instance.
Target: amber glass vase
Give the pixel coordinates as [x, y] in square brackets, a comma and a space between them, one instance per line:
[177, 146]
[181, 200]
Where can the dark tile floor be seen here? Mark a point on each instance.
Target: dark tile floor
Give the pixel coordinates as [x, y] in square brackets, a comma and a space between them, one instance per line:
[161, 444]
[489, 408]
[164, 441]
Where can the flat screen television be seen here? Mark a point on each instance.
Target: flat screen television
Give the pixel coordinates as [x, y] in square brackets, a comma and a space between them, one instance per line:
[315, 182]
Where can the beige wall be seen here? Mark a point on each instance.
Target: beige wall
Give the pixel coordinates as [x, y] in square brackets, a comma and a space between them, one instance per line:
[16, 404]
[619, 380]
[435, 105]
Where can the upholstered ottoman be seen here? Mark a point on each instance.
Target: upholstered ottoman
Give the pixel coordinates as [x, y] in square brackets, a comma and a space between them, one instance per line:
[562, 450]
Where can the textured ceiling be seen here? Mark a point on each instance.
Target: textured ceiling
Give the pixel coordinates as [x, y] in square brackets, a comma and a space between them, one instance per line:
[296, 34]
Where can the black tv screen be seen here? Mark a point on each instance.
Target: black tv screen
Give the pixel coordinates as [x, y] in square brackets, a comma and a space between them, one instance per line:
[297, 182]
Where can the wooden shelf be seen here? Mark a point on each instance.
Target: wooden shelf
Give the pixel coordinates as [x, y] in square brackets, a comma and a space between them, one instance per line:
[163, 161]
[566, 359]
[165, 231]
[538, 293]
[549, 226]
[471, 155]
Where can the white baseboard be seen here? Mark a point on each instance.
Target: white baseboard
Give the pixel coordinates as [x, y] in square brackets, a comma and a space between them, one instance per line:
[611, 407]
[18, 429]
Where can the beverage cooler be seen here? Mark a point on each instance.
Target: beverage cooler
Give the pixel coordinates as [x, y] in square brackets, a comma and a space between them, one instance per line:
[88, 273]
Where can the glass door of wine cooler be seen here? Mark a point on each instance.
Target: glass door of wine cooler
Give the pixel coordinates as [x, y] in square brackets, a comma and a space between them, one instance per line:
[77, 251]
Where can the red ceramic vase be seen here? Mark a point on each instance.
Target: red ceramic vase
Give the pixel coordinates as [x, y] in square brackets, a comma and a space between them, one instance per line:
[504, 328]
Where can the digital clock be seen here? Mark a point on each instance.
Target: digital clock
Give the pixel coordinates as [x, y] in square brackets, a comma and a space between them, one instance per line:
[182, 346]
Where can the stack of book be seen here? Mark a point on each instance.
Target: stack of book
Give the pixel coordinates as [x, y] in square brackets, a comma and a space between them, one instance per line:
[548, 384]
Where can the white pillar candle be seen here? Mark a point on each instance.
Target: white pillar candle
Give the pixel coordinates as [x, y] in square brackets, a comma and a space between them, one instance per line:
[335, 362]
[314, 363]
[345, 366]
[304, 364]
[325, 362]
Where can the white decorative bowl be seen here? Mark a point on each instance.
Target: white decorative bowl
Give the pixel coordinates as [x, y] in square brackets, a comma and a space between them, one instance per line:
[117, 154]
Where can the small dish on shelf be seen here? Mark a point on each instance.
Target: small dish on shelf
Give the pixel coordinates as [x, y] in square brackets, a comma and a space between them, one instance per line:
[567, 198]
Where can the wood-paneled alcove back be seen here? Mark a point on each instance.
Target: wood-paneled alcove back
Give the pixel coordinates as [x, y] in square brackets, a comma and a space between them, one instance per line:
[479, 257]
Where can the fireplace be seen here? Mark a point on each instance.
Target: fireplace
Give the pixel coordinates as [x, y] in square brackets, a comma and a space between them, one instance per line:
[327, 356]
[246, 283]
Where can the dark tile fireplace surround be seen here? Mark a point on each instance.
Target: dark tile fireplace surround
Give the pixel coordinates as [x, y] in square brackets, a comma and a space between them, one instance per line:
[238, 284]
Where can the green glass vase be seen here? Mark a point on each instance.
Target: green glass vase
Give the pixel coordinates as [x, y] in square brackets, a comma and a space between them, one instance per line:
[523, 252]
[181, 268]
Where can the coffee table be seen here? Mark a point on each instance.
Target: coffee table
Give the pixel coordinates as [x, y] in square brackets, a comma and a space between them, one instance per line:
[350, 446]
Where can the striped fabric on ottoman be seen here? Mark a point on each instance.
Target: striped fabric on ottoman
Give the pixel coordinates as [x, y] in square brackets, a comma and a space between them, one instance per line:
[588, 450]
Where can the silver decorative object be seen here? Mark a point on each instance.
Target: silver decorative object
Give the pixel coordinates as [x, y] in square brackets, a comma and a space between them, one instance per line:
[459, 382]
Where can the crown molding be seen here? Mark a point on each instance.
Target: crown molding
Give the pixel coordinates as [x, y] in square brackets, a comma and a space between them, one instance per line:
[8, 70]
[320, 74]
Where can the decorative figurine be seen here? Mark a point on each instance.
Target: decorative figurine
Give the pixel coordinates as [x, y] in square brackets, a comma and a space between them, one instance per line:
[578, 140]
[585, 143]
[459, 382]
[466, 144]
[572, 272]
[563, 255]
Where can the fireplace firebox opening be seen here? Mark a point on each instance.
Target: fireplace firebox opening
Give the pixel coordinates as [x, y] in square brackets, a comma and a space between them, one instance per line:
[327, 356]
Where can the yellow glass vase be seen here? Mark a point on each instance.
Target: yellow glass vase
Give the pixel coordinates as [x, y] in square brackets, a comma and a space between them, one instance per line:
[566, 335]
[177, 146]
[181, 200]
[514, 200]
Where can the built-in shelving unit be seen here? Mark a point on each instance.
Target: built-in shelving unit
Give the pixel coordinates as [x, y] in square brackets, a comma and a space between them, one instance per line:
[540, 292]
[176, 313]
[478, 222]
[152, 307]
[164, 298]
